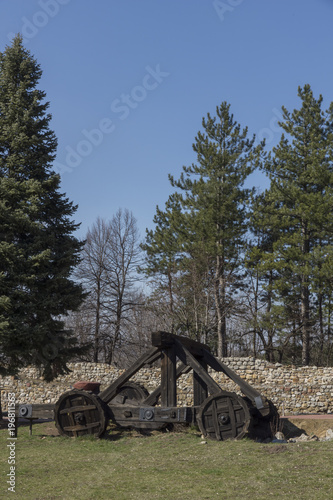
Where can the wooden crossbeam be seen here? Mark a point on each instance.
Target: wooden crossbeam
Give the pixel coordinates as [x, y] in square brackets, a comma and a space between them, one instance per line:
[163, 340]
[111, 391]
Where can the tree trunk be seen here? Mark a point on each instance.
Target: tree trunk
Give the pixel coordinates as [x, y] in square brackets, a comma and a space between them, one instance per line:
[270, 331]
[116, 329]
[171, 302]
[219, 293]
[305, 303]
[321, 330]
[329, 343]
[255, 326]
[97, 323]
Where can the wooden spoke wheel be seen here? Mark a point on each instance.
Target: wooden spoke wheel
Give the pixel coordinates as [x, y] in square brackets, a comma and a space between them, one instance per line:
[131, 394]
[80, 413]
[224, 415]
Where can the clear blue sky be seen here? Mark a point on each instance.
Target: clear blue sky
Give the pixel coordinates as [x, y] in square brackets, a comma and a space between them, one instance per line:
[145, 72]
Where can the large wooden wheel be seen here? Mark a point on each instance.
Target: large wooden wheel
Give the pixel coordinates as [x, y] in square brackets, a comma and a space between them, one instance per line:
[224, 415]
[131, 394]
[80, 413]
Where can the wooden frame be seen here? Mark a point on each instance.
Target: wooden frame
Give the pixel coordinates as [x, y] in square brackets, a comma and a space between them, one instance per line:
[218, 413]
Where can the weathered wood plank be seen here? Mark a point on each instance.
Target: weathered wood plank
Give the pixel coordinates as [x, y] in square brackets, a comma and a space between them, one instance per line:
[78, 408]
[163, 340]
[246, 388]
[186, 357]
[111, 391]
[77, 427]
[200, 389]
[38, 411]
[152, 399]
[130, 416]
[168, 377]
[232, 417]
[215, 421]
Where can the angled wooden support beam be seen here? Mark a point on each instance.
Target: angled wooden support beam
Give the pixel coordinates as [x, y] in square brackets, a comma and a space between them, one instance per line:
[188, 359]
[200, 389]
[168, 377]
[111, 391]
[246, 388]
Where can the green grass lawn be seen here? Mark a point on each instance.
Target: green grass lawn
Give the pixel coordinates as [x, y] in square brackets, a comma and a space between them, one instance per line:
[171, 465]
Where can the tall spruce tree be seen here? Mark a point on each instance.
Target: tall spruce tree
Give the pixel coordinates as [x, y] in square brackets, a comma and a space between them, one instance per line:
[37, 248]
[298, 207]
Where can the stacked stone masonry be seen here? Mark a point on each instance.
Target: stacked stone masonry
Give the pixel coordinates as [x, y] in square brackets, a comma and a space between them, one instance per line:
[294, 390]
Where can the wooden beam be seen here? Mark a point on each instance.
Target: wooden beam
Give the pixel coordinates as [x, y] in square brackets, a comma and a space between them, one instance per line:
[131, 416]
[246, 388]
[200, 389]
[152, 399]
[36, 411]
[164, 340]
[168, 377]
[215, 421]
[111, 391]
[186, 357]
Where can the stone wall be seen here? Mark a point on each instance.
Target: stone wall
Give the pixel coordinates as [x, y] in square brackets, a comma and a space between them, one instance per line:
[293, 390]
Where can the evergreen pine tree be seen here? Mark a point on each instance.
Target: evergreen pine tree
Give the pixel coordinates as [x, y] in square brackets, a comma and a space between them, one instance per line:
[37, 248]
[299, 208]
[162, 253]
[213, 221]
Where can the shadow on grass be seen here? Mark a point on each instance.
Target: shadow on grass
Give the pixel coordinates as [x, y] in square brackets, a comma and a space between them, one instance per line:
[290, 430]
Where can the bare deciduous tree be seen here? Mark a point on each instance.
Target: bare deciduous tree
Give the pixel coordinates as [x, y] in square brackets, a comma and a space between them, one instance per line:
[108, 273]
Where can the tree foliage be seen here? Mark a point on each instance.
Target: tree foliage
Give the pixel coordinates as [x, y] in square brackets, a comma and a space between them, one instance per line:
[207, 217]
[38, 251]
[251, 272]
[298, 210]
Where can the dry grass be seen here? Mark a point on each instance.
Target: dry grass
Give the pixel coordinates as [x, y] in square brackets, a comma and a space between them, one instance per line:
[165, 466]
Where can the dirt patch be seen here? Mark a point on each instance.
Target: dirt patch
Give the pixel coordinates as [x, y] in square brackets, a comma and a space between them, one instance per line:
[297, 426]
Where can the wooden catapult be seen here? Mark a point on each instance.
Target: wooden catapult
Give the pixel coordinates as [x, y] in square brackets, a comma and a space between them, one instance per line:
[219, 414]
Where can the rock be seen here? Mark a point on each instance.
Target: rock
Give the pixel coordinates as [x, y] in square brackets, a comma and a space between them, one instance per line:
[303, 438]
[329, 434]
[279, 436]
